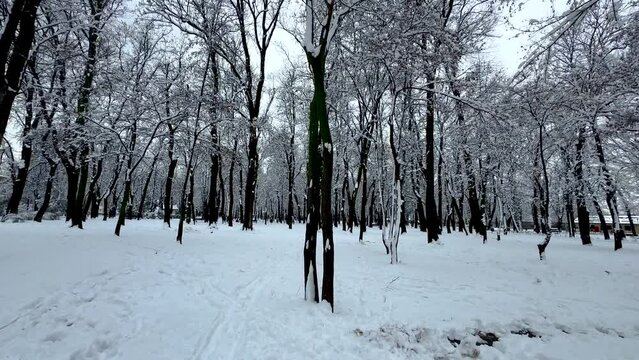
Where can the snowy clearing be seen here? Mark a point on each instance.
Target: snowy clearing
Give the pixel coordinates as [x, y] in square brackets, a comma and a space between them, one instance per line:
[86, 294]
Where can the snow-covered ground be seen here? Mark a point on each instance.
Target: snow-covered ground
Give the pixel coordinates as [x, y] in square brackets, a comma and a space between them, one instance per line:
[227, 294]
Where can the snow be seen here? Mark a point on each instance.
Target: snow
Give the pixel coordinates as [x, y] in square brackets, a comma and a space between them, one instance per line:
[227, 294]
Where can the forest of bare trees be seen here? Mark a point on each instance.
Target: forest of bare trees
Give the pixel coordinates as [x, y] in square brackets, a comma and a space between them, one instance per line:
[393, 117]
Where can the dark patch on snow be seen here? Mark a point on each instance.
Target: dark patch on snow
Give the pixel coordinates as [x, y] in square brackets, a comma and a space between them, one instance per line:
[454, 342]
[487, 338]
[526, 332]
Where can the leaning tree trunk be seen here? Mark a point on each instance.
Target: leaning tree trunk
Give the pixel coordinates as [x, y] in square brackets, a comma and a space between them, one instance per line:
[125, 199]
[18, 32]
[146, 188]
[53, 167]
[25, 155]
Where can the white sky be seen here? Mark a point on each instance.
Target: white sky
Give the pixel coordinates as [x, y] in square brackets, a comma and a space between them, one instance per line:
[509, 48]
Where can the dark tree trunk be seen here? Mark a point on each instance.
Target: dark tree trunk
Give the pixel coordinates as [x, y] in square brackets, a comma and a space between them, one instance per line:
[251, 175]
[440, 163]
[215, 169]
[91, 200]
[544, 196]
[432, 222]
[123, 205]
[146, 188]
[319, 166]
[345, 191]
[371, 207]
[582, 210]
[362, 215]
[82, 109]
[460, 215]
[53, 167]
[72, 189]
[222, 196]
[241, 212]
[15, 46]
[335, 208]
[402, 218]
[290, 160]
[168, 206]
[611, 189]
[476, 216]
[421, 217]
[25, 155]
[191, 202]
[231, 195]
[535, 212]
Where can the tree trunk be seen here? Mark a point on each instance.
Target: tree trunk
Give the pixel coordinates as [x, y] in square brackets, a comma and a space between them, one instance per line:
[25, 155]
[582, 210]
[15, 45]
[215, 168]
[432, 222]
[610, 188]
[146, 188]
[168, 204]
[291, 184]
[251, 175]
[440, 163]
[221, 195]
[125, 202]
[231, 195]
[53, 167]
[96, 173]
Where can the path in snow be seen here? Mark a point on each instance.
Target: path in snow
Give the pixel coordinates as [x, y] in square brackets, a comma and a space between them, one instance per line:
[227, 294]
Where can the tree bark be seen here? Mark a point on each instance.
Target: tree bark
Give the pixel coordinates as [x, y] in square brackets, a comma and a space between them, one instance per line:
[168, 184]
[146, 188]
[53, 167]
[30, 124]
[582, 210]
[251, 175]
[15, 46]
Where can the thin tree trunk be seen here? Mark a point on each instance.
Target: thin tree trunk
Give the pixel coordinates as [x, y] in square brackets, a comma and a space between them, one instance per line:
[168, 185]
[53, 167]
[231, 195]
[215, 169]
[146, 188]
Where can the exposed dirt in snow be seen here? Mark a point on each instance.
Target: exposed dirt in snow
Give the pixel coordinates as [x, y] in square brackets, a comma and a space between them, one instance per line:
[228, 294]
